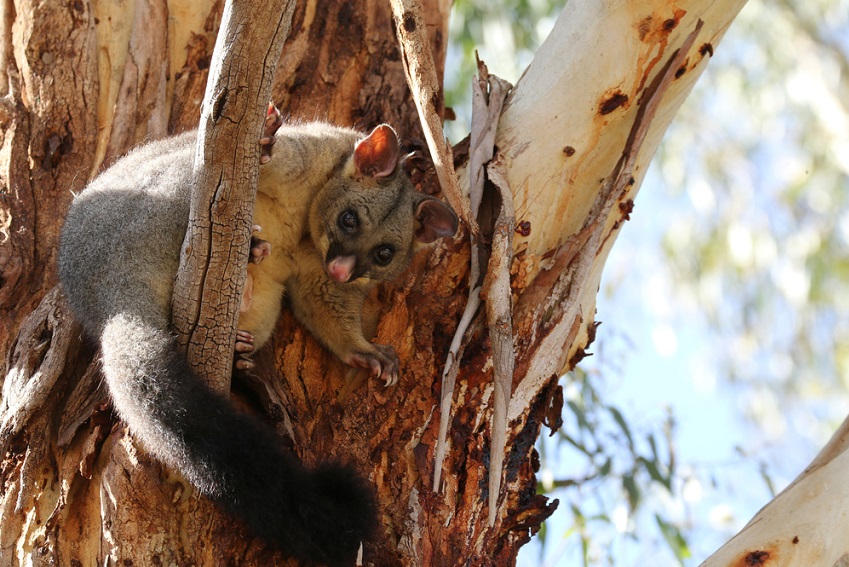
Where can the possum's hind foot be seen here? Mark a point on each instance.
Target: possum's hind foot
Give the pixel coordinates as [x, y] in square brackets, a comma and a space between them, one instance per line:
[244, 349]
[245, 340]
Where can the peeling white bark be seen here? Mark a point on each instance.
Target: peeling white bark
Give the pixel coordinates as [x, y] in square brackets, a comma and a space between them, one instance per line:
[584, 92]
[499, 309]
[488, 94]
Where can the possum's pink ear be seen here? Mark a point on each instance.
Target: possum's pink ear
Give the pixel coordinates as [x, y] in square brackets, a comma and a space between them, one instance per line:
[377, 154]
[436, 219]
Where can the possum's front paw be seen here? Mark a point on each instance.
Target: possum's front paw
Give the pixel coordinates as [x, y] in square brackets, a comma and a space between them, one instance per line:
[259, 248]
[273, 121]
[382, 362]
[244, 349]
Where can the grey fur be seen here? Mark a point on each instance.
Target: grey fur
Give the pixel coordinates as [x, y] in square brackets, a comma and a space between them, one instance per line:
[121, 241]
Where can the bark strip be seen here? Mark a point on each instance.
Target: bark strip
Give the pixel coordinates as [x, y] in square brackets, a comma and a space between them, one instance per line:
[424, 84]
[488, 95]
[499, 310]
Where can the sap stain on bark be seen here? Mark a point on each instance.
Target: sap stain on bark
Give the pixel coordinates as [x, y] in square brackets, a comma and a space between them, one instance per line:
[582, 353]
[755, 559]
[644, 27]
[55, 147]
[409, 23]
[626, 209]
[653, 29]
[613, 101]
[553, 418]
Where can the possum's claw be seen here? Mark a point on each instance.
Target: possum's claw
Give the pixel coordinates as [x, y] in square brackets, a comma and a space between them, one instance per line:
[245, 340]
[244, 348]
[389, 364]
[259, 248]
[273, 121]
[383, 363]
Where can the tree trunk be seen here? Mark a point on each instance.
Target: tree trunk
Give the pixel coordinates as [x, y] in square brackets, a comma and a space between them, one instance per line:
[574, 139]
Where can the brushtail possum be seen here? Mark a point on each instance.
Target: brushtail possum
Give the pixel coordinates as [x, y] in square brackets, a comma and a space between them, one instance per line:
[337, 216]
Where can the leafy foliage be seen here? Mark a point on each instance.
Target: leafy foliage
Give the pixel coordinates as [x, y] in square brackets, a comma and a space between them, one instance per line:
[611, 472]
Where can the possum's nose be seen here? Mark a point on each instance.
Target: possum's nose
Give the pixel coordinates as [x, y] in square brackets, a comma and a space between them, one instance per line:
[340, 268]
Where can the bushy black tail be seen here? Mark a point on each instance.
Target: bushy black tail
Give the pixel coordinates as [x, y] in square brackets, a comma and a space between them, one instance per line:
[317, 516]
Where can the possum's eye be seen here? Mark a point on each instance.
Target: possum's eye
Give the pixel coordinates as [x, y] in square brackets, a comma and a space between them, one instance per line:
[348, 221]
[383, 254]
